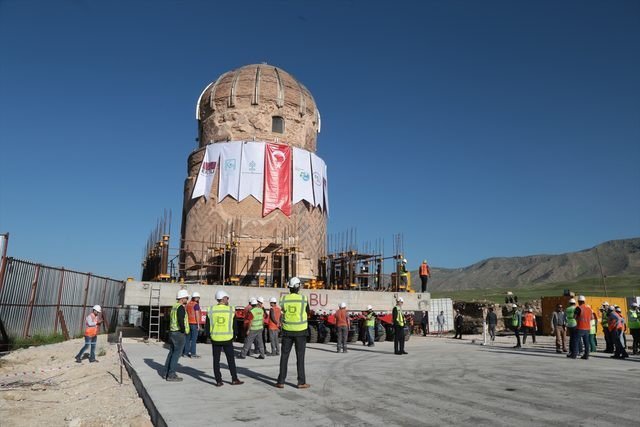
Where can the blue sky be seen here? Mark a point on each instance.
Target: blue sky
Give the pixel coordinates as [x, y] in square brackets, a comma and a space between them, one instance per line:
[476, 129]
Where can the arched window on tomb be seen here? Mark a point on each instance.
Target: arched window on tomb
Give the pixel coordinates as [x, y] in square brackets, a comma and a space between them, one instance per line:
[277, 124]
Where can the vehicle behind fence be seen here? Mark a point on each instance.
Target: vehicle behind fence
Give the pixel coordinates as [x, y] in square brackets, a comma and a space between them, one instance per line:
[39, 300]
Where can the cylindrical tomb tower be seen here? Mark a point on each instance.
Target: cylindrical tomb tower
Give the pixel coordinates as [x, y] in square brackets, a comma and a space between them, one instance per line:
[230, 239]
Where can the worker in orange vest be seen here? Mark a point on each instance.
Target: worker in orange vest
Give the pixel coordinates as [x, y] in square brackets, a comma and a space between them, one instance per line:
[194, 316]
[529, 326]
[274, 325]
[583, 315]
[425, 273]
[616, 327]
[92, 322]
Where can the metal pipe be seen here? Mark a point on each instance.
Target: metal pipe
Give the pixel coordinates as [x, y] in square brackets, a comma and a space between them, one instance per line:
[55, 325]
[32, 299]
[3, 262]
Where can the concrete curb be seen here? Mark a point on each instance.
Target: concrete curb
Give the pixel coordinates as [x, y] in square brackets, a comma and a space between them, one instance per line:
[156, 417]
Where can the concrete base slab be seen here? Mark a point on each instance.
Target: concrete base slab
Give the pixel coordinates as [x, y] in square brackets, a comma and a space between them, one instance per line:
[441, 381]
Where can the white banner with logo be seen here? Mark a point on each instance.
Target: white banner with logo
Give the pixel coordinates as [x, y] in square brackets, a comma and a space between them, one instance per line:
[208, 167]
[302, 182]
[230, 157]
[317, 171]
[252, 171]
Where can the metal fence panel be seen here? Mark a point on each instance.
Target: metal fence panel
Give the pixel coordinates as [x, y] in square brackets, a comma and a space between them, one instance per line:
[31, 295]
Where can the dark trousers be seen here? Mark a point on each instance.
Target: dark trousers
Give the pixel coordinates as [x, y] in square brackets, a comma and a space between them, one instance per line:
[398, 339]
[529, 331]
[492, 331]
[635, 333]
[580, 342]
[176, 345]
[573, 340]
[458, 332]
[424, 280]
[608, 340]
[217, 348]
[288, 341]
[425, 328]
[516, 331]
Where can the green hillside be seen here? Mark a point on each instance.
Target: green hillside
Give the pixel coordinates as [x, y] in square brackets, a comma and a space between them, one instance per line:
[624, 286]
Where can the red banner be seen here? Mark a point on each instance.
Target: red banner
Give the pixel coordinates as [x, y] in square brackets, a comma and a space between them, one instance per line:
[277, 179]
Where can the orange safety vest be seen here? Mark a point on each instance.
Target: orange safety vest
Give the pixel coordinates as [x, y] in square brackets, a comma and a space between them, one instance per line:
[424, 270]
[614, 322]
[277, 312]
[92, 331]
[191, 312]
[528, 320]
[584, 319]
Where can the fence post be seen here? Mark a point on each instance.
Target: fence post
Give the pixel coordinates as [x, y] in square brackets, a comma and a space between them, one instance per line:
[55, 326]
[84, 304]
[3, 262]
[32, 299]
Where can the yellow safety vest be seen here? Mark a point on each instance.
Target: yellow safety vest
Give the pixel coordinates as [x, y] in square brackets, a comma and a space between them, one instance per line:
[173, 325]
[634, 321]
[399, 316]
[258, 319]
[294, 308]
[592, 331]
[221, 322]
[371, 320]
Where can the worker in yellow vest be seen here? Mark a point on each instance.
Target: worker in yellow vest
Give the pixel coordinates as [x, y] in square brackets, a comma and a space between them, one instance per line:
[571, 328]
[178, 328]
[221, 320]
[604, 322]
[398, 327]
[254, 324]
[295, 312]
[633, 319]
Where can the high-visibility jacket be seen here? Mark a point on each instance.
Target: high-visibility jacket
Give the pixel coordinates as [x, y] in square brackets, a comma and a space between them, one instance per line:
[425, 270]
[294, 307]
[614, 321]
[276, 314]
[173, 319]
[221, 322]
[571, 320]
[257, 321]
[583, 321]
[371, 320]
[529, 320]
[622, 322]
[603, 320]
[399, 320]
[515, 319]
[92, 325]
[592, 331]
[191, 312]
[634, 319]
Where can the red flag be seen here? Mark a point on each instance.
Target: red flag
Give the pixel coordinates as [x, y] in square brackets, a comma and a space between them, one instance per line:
[277, 179]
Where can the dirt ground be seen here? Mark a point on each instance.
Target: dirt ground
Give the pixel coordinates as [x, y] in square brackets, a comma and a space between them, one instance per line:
[62, 392]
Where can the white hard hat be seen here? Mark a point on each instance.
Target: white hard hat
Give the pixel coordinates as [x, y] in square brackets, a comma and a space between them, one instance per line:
[424, 261]
[634, 304]
[616, 306]
[618, 309]
[404, 260]
[273, 299]
[611, 308]
[294, 282]
[369, 307]
[400, 299]
[343, 304]
[195, 295]
[514, 305]
[260, 299]
[221, 294]
[605, 303]
[182, 293]
[253, 301]
[97, 308]
[582, 298]
[531, 310]
[572, 301]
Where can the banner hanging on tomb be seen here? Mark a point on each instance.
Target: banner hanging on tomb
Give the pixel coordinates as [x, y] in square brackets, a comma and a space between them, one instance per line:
[277, 181]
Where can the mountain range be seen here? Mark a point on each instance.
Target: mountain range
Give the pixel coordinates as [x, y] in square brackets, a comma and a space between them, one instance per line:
[617, 258]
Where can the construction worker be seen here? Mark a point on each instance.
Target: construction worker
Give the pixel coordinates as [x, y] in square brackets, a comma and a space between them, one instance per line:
[605, 327]
[441, 320]
[424, 323]
[425, 273]
[343, 324]
[559, 328]
[92, 325]
[458, 321]
[633, 318]
[370, 322]
[265, 324]
[582, 316]
[178, 328]
[398, 327]
[492, 321]
[221, 321]
[516, 323]
[529, 326]
[274, 325]
[623, 328]
[295, 311]
[571, 328]
[593, 343]
[193, 313]
[254, 323]
[616, 326]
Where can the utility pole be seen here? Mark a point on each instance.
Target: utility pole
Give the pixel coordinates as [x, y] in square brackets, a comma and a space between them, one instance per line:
[604, 282]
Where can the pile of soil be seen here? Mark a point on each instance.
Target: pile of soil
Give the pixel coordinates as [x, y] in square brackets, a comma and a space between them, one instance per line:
[45, 386]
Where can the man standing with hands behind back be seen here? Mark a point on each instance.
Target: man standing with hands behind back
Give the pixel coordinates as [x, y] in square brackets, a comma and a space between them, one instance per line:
[398, 327]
